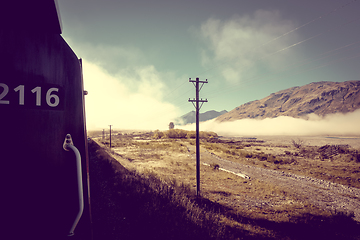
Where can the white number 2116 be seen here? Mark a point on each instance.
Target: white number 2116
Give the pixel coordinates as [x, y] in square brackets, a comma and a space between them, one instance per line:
[52, 100]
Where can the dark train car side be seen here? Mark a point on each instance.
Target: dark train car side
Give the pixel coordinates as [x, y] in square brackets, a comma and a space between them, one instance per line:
[41, 102]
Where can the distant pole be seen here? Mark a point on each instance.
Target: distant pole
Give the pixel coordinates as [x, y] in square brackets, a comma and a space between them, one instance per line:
[110, 136]
[197, 107]
[103, 137]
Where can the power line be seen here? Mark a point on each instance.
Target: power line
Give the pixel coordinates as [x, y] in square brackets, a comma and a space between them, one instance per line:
[287, 33]
[283, 49]
[293, 74]
[312, 21]
[175, 89]
[312, 37]
[305, 40]
[304, 62]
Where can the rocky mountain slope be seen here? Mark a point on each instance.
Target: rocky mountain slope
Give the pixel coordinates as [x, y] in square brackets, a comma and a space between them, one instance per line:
[190, 117]
[320, 98]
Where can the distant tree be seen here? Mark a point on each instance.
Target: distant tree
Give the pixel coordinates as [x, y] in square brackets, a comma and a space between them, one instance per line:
[171, 125]
[298, 143]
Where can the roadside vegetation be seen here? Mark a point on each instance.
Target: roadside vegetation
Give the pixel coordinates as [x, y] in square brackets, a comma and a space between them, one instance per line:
[149, 189]
[181, 134]
[130, 205]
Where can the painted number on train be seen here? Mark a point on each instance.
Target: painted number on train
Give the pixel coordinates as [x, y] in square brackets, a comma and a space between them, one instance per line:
[38, 96]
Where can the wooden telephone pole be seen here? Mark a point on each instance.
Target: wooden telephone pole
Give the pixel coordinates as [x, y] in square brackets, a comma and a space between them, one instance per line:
[197, 107]
[110, 136]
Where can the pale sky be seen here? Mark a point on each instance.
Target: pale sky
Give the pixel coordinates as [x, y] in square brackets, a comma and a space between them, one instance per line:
[139, 54]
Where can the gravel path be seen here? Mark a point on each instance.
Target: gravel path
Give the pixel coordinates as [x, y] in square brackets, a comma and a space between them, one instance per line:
[324, 194]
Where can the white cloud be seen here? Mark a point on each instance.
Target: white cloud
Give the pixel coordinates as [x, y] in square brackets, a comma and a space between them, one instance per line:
[239, 46]
[332, 124]
[109, 57]
[131, 99]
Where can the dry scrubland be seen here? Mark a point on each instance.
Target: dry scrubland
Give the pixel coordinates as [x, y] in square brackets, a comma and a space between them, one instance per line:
[242, 203]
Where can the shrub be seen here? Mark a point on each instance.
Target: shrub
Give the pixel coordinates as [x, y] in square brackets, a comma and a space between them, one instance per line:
[179, 133]
[297, 144]
[356, 156]
[191, 134]
[215, 166]
[208, 135]
[262, 157]
[157, 134]
[175, 133]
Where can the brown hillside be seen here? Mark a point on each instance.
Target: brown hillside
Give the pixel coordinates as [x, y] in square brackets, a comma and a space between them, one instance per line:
[320, 98]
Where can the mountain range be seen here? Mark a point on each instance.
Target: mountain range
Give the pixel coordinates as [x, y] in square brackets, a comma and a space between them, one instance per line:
[190, 117]
[320, 98]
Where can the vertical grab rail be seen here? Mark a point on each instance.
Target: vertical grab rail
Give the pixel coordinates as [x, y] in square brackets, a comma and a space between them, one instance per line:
[69, 145]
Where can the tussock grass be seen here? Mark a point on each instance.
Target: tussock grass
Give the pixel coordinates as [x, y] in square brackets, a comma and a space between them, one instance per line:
[237, 151]
[130, 205]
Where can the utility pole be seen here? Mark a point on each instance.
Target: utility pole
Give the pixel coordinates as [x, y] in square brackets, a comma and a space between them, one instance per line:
[197, 107]
[110, 136]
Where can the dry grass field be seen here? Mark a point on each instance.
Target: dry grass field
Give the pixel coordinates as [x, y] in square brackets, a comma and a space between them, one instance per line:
[280, 173]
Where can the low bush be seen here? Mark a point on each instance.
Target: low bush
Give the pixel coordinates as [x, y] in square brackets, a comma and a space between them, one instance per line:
[191, 134]
[180, 134]
[175, 133]
[215, 166]
[338, 152]
[297, 143]
[158, 134]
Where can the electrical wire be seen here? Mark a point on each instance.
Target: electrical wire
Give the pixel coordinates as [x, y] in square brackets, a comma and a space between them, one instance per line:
[290, 75]
[312, 37]
[293, 65]
[216, 94]
[287, 33]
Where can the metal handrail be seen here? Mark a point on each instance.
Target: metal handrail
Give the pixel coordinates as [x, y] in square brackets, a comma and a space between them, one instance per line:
[68, 144]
